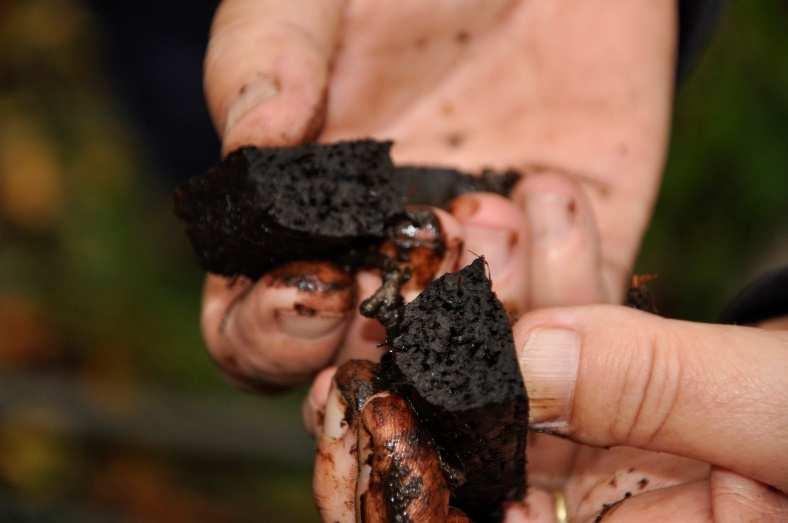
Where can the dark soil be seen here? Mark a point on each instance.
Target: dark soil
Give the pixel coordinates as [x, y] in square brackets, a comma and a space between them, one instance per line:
[262, 207]
[453, 358]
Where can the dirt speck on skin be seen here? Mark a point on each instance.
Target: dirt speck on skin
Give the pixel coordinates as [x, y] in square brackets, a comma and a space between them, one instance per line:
[325, 456]
[310, 277]
[571, 208]
[462, 37]
[613, 483]
[421, 43]
[303, 310]
[455, 140]
[643, 483]
[607, 508]
[513, 239]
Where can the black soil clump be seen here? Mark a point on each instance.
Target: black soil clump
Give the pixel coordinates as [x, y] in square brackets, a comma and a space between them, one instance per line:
[453, 358]
[262, 207]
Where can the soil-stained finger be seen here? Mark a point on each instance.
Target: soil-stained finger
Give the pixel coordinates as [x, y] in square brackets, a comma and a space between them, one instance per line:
[336, 466]
[405, 481]
[281, 330]
[267, 70]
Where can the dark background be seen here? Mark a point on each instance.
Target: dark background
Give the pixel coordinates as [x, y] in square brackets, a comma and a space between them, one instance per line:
[109, 404]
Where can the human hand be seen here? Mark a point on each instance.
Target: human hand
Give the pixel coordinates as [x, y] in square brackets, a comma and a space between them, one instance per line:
[713, 393]
[675, 421]
[564, 87]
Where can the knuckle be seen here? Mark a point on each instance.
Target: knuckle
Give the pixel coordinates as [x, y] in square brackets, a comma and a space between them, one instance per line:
[649, 389]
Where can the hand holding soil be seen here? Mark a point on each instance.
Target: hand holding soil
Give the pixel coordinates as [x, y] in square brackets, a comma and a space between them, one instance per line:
[578, 96]
[471, 85]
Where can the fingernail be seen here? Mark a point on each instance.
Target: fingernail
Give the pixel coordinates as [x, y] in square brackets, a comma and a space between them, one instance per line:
[307, 323]
[250, 96]
[464, 207]
[549, 364]
[551, 216]
[335, 423]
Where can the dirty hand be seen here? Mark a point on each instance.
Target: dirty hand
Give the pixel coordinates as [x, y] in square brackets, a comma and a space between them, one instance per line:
[665, 420]
[579, 95]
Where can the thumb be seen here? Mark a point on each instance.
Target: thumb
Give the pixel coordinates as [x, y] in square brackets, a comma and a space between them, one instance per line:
[607, 376]
[267, 68]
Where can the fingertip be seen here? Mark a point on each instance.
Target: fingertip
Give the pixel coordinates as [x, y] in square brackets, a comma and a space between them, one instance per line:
[566, 258]
[266, 70]
[314, 405]
[281, 329]
[219, 296]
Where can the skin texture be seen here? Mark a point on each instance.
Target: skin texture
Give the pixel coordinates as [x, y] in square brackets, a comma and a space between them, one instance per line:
[578, 95]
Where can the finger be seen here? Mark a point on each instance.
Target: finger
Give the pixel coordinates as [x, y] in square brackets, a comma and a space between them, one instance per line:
[686, 503]
[494, 228]
[565, 261]
[565, 264]
[736, 498]
[267, 69]
[405, 475]
[617, 376]
[365, 335]
[336, 468]
[538, 507]
[281, 330]
[603, 477]
[313, 408]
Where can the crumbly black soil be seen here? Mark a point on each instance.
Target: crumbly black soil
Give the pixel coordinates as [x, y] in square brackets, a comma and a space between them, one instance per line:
[262, 207]
[453, 358]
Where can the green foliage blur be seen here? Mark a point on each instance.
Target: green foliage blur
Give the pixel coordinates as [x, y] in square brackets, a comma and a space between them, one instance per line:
[110, 408]
[722, 214]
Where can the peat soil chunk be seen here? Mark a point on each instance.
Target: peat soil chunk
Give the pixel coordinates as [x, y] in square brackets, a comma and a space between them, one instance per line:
[446, 184]
[262, 207]
[453, 359]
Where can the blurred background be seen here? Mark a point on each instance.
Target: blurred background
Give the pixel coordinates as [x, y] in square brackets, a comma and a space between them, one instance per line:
[110, 408]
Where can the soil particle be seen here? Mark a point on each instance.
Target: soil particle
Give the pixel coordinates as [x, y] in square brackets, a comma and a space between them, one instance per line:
[455, 140]
[303, 310]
